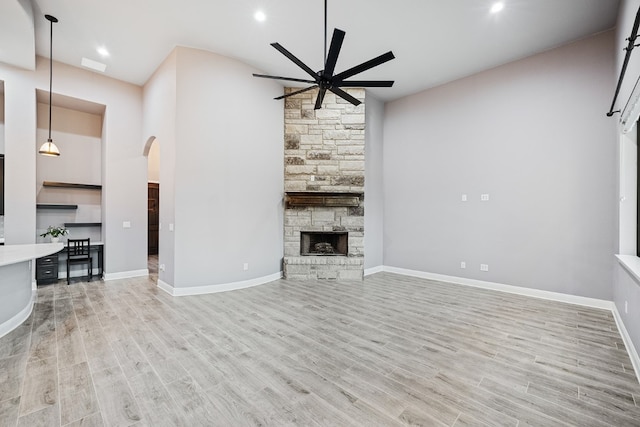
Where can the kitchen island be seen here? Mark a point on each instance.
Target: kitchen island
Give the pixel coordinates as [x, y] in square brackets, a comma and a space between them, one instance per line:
[17, 293]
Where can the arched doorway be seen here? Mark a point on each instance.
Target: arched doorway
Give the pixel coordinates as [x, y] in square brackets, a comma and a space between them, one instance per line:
[152, 151]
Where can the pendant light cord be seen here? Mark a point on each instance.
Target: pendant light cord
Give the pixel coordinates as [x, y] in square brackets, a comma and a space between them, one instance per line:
[50, 74]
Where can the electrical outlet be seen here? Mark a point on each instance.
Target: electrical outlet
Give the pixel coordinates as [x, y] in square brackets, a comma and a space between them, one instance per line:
[126, 224]
[463, 264]
[245, 266]
[484, 267]
[464, 198]
[162, 267]
[626, 307]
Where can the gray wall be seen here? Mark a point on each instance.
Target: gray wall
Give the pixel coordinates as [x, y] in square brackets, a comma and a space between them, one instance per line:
[15, 288]
[533, 135]
[229, 171]
[159, 113]
[373, 195]
[221, 182]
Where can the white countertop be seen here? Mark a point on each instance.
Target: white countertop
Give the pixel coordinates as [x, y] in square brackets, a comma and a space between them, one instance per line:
[12, 254]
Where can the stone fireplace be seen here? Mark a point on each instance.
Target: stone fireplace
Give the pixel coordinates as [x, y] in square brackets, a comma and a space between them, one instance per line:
[324, 187]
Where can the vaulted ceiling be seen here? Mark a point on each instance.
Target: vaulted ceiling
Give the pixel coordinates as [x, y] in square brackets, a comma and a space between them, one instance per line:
[435, 41]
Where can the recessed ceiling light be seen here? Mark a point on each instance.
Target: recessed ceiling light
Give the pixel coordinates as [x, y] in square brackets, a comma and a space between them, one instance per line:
[94, 65]
[102, 51]
[497, 7]
[260, 16]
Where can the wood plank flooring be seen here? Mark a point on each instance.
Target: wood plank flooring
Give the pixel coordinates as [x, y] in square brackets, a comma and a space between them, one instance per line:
[391, 351]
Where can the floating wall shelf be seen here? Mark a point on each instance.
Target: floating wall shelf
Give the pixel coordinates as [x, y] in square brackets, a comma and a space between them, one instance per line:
[71, 185]
[54, 206]
[82, 224]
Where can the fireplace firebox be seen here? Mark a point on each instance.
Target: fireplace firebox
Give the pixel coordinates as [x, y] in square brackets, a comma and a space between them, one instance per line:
[324, 243]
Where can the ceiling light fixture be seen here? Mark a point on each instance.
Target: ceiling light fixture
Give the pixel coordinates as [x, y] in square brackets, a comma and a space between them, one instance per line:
[49, 148]
[497, 7]
[102, 51]
[260, 16]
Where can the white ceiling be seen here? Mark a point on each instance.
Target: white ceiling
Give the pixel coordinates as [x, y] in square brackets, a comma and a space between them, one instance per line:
[435, 41]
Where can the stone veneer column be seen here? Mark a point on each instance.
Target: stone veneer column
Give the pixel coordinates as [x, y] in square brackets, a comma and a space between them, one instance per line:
[324, 152]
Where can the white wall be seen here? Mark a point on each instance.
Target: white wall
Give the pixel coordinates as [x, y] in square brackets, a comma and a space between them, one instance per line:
[221, 148]
[534, 136]
[159, 105]
[123, 169]
[153, 174]
[373, 179]
[1, 121]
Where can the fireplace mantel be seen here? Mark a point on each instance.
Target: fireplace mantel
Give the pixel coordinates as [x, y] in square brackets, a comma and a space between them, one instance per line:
[321, 199]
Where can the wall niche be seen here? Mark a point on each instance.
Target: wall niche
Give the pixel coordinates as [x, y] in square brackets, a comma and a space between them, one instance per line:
[68, 187]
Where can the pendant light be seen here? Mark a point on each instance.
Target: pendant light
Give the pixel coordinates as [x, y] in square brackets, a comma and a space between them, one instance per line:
[49, 148]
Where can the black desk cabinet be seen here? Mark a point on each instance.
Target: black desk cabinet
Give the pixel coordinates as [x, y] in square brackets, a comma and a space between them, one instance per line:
[47, 269]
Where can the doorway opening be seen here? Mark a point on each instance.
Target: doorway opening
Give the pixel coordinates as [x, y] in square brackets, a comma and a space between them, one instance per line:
[152, 150]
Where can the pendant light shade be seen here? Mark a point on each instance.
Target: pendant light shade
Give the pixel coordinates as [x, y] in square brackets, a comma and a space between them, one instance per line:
[49, 148]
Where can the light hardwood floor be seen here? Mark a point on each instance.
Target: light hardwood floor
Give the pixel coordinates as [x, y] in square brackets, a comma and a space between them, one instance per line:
[390, 351]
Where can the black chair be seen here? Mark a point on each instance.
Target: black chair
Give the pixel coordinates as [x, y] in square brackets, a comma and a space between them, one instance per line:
[78, 252]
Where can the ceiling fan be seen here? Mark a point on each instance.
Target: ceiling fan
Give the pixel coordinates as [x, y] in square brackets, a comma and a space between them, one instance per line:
[325, 79]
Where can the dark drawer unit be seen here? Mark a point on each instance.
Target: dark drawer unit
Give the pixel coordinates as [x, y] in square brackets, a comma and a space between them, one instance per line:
[47, 269]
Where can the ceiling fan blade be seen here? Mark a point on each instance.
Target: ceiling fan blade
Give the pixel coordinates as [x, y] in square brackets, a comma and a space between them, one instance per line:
[295, 60]
[364, 66]
[365, 83]
[334, 51]
[320, 98]
[344, 95]
[283, 78]
[297, 92]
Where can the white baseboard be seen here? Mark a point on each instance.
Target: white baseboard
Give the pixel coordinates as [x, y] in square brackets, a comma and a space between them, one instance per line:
[165, 287]
[536, 293]
[373, 270]
[626, 338]
[126, 274]
[224, 287]
[19, 318]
